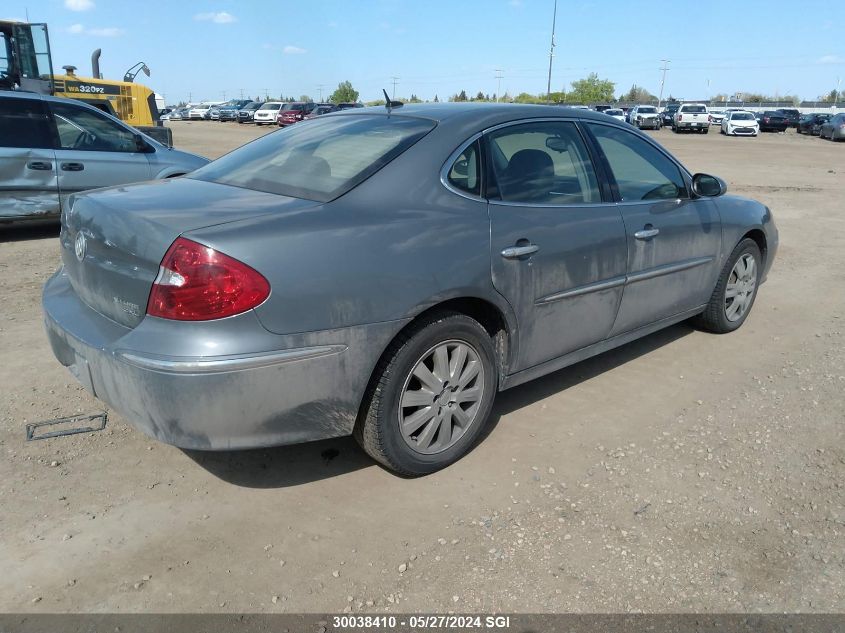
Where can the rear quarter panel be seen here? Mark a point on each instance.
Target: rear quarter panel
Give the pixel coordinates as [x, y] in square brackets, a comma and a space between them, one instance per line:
[398, 243]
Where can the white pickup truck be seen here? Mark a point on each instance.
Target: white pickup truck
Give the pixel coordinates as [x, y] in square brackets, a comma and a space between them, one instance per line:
[691, 116]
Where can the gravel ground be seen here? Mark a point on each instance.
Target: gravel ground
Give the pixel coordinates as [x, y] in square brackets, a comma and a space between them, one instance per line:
[682, 472]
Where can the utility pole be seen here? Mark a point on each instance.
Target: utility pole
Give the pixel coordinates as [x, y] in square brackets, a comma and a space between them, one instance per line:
[320, 88]
[664, 68]
[242, 94]
[190, 97]
[266, 94]
[498, 84]
[551, 55]
[836, 94]
[223, 92]
[395, 81]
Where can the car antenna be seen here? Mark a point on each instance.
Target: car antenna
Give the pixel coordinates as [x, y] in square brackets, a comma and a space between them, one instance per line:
[390, 104]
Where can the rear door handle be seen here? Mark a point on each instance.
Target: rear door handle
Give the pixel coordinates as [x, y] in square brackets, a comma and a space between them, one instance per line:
[39, 165]
[72, 166]
[646, 234]
[515, 252]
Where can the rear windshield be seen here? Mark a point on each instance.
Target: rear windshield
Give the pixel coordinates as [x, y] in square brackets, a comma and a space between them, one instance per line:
[613, 112]
[647, 110]
[742, 116]
[319, 159]
[695, 109]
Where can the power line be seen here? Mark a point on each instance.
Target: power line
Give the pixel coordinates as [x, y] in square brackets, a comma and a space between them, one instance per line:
[498, 84]
[395, 81]
[662, 81]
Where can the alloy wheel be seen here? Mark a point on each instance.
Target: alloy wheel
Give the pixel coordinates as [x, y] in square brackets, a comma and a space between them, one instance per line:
[441, 397]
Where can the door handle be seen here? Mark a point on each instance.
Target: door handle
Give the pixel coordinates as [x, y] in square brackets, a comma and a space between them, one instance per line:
[515, 252]
[72, 166]
[646, 233]
[39, 165]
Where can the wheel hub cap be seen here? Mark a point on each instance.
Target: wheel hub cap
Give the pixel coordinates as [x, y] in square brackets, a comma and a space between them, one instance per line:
[739, 291]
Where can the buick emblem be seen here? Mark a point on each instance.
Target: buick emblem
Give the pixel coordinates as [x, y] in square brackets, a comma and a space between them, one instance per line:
[79, 246]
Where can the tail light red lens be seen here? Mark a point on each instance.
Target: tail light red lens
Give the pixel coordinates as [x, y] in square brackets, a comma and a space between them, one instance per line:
[198, 283]
[680, 117]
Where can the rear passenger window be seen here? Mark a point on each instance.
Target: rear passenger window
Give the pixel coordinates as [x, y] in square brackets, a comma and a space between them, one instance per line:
[641, 171]
[23, 124]
[542, 163]
[465, 173]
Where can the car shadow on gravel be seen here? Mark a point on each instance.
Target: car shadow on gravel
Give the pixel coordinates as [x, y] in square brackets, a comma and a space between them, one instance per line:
[561, 380]
[28, 231]
[286, 466]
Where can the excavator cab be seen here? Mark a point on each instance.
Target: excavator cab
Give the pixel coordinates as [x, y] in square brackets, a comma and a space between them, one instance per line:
[25, 60]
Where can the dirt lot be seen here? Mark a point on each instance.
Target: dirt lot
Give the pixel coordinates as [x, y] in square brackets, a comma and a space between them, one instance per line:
[683, 472]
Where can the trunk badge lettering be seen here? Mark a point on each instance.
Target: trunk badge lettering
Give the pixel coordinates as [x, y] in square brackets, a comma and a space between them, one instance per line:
[79, 246]
[132, 309]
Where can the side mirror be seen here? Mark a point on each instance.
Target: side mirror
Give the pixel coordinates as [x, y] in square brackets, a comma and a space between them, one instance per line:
[708, 186]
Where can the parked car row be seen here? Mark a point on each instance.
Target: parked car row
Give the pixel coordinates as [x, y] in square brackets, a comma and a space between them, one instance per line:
[698, 117]
[279, 113]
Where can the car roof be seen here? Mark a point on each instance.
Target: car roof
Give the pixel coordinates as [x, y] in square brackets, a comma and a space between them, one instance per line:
[484, 114]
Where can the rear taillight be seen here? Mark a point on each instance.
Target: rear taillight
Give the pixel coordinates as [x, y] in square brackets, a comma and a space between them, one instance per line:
[709, 119]
[680, 117]
[198, 283]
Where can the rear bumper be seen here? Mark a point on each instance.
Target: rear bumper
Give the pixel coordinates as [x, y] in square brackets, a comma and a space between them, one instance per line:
[296, 388]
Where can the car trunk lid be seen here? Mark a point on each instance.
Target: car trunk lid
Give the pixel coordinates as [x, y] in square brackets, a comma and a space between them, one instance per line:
[113, 239]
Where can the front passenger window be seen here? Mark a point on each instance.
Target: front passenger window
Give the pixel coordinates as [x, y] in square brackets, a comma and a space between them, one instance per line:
[641, 171]
[85, 130]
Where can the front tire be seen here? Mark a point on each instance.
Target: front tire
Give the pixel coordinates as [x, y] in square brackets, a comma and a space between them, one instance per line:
[430, 395]
[735, 291]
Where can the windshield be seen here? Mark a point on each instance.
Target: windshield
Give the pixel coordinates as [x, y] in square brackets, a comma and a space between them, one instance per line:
[319, 159]
[297, 106]
[742, 116]
[646, 110]
[270, 106]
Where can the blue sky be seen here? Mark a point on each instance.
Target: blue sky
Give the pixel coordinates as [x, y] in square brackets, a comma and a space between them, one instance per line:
[205, 47]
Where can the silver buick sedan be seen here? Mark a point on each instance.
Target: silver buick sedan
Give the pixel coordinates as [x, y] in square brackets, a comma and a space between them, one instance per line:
[385, 272]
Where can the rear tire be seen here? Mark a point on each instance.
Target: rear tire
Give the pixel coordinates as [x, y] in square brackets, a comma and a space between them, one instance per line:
[432, 349]
[735, 291]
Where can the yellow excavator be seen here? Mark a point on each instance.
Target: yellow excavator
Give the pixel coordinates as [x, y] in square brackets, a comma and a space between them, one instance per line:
[26, 64]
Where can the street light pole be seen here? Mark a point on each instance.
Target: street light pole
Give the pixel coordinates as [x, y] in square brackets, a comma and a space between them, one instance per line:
[664, 68]
[551, 56]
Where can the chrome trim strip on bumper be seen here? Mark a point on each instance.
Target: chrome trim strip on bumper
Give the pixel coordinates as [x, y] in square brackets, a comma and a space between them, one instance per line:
[204, 365]
[605, 284]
